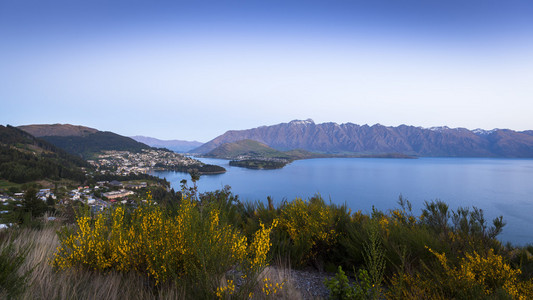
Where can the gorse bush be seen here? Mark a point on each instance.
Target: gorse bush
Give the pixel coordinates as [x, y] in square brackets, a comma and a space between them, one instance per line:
[191, 247]
[310, 226]
[475, 276]
[488, 273]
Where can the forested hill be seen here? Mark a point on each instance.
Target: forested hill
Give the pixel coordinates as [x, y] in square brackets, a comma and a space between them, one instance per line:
[24, 158]
[246, 148]
[84, 141]
[250, 149]
[95, 142]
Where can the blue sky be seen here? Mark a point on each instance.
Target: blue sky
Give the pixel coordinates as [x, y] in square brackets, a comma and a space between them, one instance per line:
[194, 69]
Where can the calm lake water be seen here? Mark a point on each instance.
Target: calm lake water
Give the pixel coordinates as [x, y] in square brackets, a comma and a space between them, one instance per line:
[498, 186]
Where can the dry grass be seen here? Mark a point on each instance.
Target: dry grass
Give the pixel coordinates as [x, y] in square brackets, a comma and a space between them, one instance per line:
[281, 274]
[45, 283]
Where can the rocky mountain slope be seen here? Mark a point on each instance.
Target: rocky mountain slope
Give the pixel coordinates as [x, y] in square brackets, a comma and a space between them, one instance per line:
[378, 139]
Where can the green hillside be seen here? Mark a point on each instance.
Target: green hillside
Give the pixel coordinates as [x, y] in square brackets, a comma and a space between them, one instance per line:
[96, 142]
[249, 148]
[24, 158]
[255, 155]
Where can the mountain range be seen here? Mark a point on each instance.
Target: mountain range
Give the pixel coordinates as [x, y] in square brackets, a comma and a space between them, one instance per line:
[174, 145]
[347, 138]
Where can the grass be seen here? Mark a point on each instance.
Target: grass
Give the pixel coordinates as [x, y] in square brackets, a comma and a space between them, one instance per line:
[4, 184]
[46, 283]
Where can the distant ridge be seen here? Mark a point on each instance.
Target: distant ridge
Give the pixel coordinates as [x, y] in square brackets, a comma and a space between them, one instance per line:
[57, 130]
[25, 158]
[174, 145]
[83, 141]
[378, 139]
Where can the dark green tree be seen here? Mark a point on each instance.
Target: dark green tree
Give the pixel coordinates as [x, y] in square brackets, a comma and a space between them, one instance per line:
[33, 205]
[50, 201]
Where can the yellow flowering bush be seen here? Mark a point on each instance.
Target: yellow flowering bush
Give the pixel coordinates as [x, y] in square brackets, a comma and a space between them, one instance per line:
[190, 245]
[86, 247]
[384, 224]
[476, 276]
[310, 226]
[260, 246]
[271, 288]
[225, 291]
[400, 217]
[489, 273]
[358, 217]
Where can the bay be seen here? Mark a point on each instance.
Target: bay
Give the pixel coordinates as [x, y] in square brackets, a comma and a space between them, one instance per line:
[498, 186]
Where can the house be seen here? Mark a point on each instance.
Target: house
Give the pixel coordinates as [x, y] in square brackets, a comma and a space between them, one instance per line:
[137, 186]
[115, 183]
[96, 208]
[118, 194]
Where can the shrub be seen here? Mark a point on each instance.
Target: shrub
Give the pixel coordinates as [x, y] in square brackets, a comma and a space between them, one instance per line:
[339, 287]
[475, 277]
[374, 255]
[191, 247]
[311, 228]
[435, 215]
[12, 282]
[488, 273]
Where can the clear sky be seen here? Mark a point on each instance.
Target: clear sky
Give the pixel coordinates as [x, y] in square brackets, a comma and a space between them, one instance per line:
[193, 69]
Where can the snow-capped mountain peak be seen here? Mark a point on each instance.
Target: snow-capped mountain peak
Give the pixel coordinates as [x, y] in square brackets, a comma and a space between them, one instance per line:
[302, 122]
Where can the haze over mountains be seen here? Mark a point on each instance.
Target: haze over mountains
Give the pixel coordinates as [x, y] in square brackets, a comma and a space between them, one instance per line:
[379, 139]
[174, 145]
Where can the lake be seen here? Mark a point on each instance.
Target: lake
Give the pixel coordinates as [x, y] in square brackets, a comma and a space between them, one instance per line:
[498, 186]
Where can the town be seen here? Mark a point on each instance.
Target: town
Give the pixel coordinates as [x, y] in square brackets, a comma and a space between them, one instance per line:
[132, 168]
[96, 197]
[126, 162]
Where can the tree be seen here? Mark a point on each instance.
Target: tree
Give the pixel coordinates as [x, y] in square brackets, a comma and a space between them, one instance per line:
[50, 201]
[195, 176]
[35, 206]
